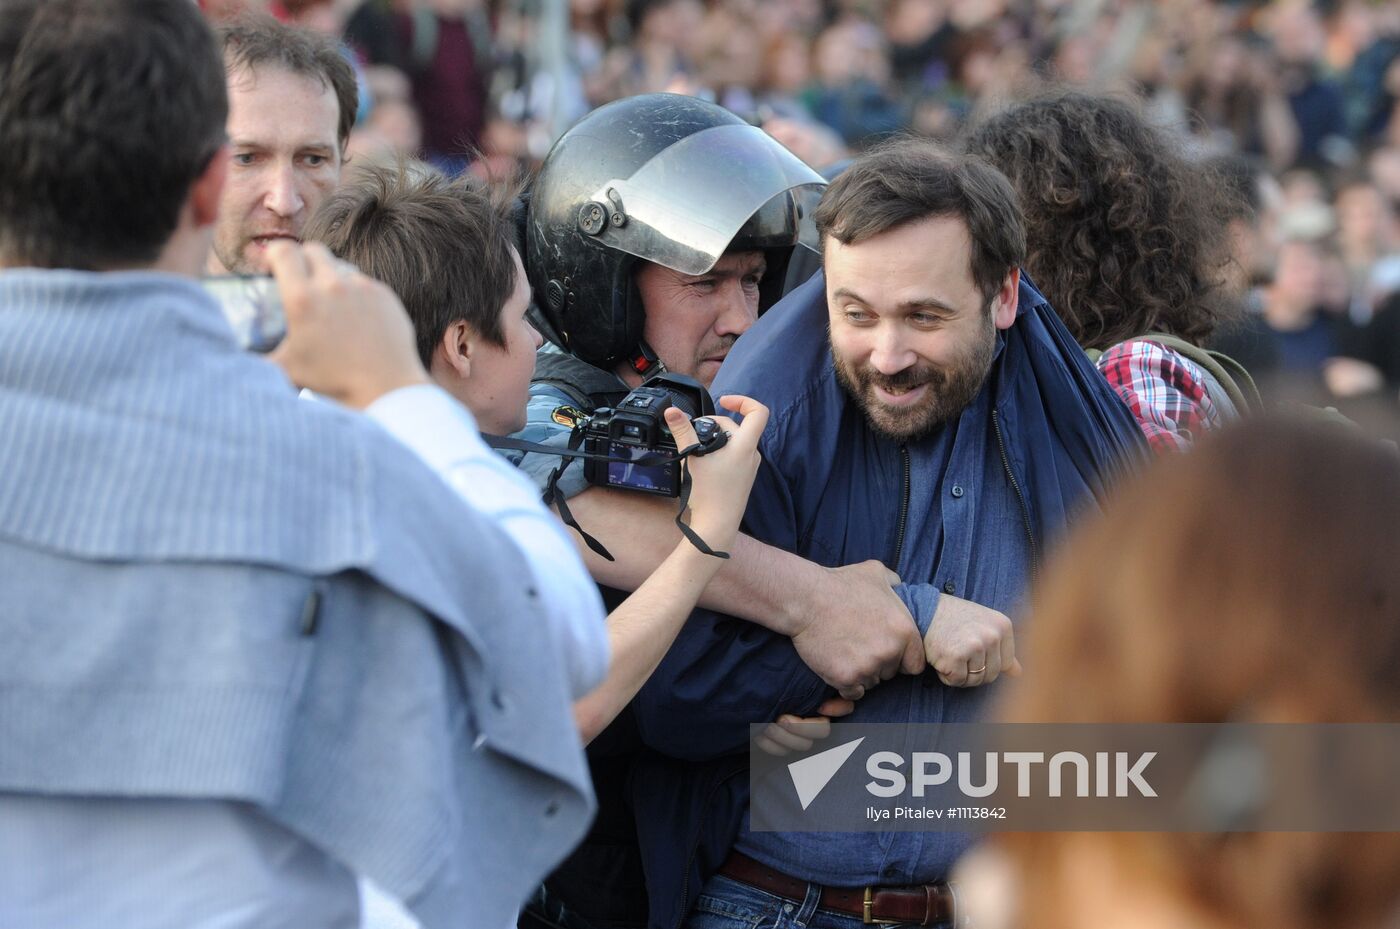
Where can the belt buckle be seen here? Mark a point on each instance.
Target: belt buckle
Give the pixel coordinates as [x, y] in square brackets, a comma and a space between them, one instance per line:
[868, 917]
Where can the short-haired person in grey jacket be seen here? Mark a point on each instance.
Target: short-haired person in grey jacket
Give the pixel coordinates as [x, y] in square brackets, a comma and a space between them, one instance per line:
[253, 647]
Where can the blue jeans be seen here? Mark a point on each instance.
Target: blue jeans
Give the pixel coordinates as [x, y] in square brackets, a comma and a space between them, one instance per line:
[728, 904]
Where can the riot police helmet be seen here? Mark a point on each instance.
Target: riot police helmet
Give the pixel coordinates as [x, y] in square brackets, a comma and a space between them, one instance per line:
[662, 178]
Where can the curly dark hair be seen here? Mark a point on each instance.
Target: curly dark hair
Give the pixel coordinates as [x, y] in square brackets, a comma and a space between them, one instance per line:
[1124, 235]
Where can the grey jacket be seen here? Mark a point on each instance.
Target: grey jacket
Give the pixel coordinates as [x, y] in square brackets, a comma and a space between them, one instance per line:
[211, 589]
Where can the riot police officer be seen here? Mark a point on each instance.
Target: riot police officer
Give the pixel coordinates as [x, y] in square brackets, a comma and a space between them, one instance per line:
[658, 229]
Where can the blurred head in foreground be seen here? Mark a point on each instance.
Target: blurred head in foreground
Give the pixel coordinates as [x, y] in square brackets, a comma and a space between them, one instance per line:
[1254, 580]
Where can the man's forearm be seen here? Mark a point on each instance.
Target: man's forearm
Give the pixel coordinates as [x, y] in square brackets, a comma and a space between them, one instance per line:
[847, 624]
[759, 583]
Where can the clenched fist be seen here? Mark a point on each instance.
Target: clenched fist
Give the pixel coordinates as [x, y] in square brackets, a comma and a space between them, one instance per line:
[969, 644]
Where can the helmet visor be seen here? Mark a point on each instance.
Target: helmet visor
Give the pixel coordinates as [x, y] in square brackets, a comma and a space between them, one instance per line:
[684, 206]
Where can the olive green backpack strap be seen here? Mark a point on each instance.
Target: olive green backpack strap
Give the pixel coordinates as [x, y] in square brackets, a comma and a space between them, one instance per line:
[1232, 376]
[1229, 373]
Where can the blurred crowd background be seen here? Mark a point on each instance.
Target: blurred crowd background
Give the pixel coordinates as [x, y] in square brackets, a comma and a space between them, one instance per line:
[1299, 101]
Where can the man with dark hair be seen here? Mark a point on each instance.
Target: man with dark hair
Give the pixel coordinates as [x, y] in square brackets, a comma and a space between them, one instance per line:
[252, 650]
[292, 101]
[68, 195]
[444, 247]
[928, 410]
[904, 191]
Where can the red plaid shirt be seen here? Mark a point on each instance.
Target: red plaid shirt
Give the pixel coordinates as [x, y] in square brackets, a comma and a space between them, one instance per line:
[1166, 392]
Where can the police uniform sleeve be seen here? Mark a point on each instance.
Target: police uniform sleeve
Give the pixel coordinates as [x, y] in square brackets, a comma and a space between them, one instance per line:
[549, 420]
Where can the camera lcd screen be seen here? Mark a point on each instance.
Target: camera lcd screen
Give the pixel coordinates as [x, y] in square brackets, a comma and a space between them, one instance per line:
[654, 478]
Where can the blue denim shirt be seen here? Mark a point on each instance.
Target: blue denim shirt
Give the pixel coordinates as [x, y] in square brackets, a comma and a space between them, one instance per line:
[964, 535]
[832, 490]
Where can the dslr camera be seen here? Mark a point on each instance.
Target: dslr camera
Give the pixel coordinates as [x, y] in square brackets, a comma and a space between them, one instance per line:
[634, 437]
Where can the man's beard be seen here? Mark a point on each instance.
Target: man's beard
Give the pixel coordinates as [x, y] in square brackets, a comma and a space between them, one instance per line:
[951, 388]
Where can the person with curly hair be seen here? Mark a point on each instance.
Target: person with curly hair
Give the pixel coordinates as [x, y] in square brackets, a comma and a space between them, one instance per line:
[1128, 240]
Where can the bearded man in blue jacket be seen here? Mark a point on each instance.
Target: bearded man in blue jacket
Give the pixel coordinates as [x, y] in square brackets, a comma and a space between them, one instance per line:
[929, 411]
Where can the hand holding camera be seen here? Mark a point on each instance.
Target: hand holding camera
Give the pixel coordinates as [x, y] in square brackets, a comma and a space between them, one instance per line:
[635, 448]
[348, 336]
[721, 479]
[332, 329]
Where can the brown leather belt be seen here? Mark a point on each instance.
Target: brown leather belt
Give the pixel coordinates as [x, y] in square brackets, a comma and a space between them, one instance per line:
[919, 905]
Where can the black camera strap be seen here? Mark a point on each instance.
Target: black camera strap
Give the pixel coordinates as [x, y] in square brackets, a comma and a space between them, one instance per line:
[689, 533]
[552, 496]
